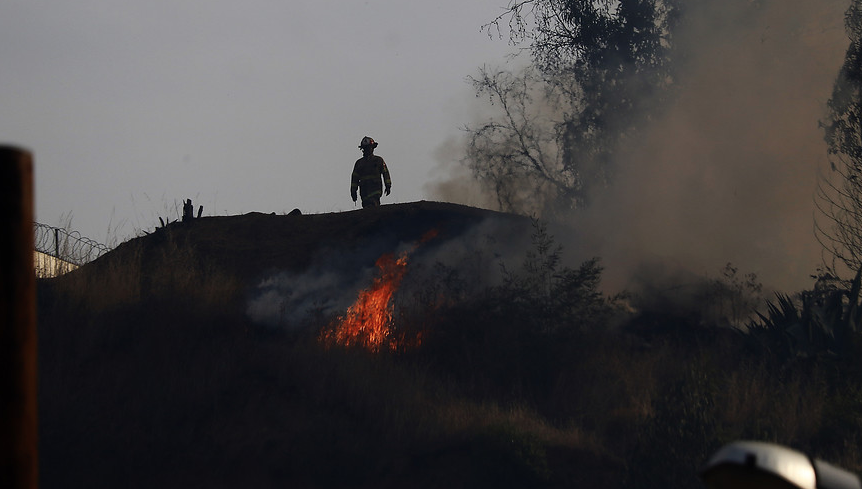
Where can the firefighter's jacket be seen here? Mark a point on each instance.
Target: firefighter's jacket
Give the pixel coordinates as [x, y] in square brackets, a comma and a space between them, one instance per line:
[366, 177]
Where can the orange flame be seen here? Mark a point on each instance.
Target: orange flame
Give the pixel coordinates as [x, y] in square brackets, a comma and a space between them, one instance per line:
[368, 322]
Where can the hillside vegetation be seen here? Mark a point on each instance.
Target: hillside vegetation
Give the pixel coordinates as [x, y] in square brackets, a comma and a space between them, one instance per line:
[153, 372]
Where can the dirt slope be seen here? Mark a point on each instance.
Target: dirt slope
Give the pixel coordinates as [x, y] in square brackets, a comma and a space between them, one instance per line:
[249, 245]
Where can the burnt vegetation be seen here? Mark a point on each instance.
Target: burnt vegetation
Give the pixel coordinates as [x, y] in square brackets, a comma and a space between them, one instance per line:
[152, 374]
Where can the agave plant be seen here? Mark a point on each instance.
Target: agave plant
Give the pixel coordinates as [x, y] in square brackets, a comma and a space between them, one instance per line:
[819, 321]
[779, 326]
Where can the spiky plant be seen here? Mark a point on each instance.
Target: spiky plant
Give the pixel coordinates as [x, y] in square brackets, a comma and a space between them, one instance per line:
[824, 320]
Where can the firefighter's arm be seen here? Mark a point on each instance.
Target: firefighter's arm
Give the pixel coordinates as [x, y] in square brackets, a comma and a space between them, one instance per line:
[386, 180]
[354, 184]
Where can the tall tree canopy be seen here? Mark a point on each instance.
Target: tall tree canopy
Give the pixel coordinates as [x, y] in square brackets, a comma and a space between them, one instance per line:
[599, 70]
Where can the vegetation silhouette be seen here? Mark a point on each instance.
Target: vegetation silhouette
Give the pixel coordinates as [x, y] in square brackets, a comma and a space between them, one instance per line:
[839, 197]
[151, 374]
[599, 71]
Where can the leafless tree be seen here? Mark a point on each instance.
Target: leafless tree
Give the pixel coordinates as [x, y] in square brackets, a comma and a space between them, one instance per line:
[517, 153]
[838, 225]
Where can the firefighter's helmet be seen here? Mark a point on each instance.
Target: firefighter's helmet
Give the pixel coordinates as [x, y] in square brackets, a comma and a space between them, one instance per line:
[367, 141]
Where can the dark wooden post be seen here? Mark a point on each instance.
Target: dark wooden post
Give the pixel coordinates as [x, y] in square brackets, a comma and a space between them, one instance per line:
[18, 413]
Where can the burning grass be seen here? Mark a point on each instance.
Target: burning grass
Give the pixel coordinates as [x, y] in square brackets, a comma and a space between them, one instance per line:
[368, 322]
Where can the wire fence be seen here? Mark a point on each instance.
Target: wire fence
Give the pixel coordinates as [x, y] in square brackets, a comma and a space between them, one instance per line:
[59, 251]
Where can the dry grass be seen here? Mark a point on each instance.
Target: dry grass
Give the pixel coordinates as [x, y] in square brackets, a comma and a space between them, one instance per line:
[155, 349]
[792, 408]
[133, 274]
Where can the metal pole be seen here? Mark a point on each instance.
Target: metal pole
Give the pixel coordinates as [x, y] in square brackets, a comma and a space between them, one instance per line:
[18, 408]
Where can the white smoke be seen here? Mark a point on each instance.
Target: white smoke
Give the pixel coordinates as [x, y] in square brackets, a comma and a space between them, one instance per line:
[470, 256]
[287, 299]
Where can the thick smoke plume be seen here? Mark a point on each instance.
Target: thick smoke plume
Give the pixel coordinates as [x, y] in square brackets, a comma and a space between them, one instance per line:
[728, 172]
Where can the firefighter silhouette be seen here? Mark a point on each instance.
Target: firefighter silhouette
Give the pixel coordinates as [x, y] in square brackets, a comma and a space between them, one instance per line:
[367, 173]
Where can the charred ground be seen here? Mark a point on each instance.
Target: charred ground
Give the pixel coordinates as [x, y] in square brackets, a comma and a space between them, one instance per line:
[153, 373]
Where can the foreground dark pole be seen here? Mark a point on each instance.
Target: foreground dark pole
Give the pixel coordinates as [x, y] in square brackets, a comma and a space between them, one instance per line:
[18, 419]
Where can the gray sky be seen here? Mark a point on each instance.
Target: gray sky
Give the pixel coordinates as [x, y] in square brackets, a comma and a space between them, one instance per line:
[131, 106]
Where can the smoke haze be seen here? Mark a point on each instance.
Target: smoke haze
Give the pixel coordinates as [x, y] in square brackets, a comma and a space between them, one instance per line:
[333, 281]
[329, 285]
[728, 172]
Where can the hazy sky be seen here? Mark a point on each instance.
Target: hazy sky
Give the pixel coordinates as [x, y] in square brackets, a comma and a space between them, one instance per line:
[131, 106]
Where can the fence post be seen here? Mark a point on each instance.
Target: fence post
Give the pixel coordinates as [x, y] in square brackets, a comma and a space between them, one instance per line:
[18, 408]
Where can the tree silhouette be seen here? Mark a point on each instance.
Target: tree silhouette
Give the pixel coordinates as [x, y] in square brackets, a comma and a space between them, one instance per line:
[600, 68]
[839, 224]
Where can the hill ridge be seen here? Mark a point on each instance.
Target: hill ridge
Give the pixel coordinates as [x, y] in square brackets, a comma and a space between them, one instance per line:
[252, 244]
